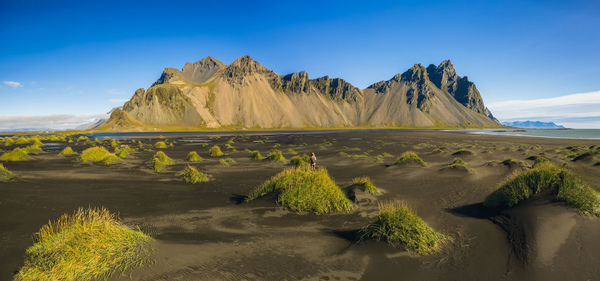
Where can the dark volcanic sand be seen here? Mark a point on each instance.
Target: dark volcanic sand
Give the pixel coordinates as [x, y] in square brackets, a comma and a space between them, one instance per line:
[204, 233]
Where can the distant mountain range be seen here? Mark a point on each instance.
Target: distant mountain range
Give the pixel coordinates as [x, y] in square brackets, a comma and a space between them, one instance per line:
[533, 125]
[245, 94]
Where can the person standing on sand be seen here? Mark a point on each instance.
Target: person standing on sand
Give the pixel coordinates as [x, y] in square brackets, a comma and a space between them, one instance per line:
[313, 160]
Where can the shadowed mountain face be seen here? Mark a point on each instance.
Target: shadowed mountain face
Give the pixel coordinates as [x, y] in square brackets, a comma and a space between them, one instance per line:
[211, 94]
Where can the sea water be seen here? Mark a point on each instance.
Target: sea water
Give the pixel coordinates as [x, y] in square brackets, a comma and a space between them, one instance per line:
[541, 133]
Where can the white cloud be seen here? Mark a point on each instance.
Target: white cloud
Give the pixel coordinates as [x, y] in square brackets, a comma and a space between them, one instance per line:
[47, 122]
[580, 110]
[12, 84]
[118, 100]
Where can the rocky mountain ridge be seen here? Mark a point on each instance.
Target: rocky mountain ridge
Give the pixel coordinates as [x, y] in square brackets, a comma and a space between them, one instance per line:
[245, 94]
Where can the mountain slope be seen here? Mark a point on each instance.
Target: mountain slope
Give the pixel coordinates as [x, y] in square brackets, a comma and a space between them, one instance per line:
[210, 94]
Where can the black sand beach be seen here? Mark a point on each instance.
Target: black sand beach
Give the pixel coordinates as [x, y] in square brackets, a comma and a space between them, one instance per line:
[206, 232]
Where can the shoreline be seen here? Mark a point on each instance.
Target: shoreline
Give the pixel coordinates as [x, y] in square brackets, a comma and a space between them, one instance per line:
[481, 132]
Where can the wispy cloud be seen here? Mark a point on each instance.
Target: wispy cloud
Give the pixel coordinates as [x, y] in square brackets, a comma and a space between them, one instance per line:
[580, 110]
[12, 84]
[118, 100]
[47, 122]
[114, 91]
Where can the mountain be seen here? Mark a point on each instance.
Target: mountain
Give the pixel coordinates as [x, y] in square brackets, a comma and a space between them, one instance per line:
[245, 94]
[533, 125]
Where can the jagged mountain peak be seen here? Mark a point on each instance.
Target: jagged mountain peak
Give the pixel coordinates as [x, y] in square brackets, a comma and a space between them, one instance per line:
[446, 64]
[202, 70]
[210, 94]
[206, 61]
[195, 73]
[248, 65]
[243, 66]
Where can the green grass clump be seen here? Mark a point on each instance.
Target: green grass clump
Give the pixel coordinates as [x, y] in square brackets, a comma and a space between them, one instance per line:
[305, 189]
[458, 164]
[5, 174]
[33, 149]
[584, 155]
[300, 161]
[87, 245]
[160, 145]
[382, 156]
[276, 155]
[17, 154]
[160, 161]
[22, 140]
[464, 152]
[82, 139]
[538, 158]
[226, 162]
[123, 151]
[255, 155]
[398, 225]
[364, 155]
[409, 158]
[114, 143]
[193, 157]
[8, 141]
[192, 175]
[366, 184]
[67, 151]
[215, 151]
[98, 154]
[548, 179]
[111, 159]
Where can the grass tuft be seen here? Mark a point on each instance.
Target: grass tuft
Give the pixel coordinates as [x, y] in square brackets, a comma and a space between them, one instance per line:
[255, 155]
[215, 151]
[276, 155]
[98, 154]
[87, 245]
[584, 155]
[17, 154]
[193, 157]
[398, 225]
[160, 161]
[546, 179]
[5, 174]
[192, 175]
[123, 151]
[300, 161]
[409, 158]
[366, 184]
[67, 151]
[33, 148]
[458, 164]
[226, 162]
[464, 152]
[305, 189]
[22, 140]
[160, 145]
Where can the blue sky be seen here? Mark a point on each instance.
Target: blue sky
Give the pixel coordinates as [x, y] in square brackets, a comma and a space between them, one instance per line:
[83, 58]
